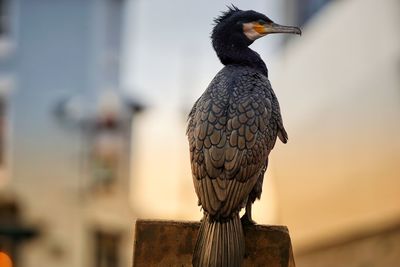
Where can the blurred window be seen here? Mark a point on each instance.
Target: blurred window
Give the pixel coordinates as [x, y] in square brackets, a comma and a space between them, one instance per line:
[107, 247]
[2, 130]
[4, 17]
[106, 147]
[13, 233]
[9, 218]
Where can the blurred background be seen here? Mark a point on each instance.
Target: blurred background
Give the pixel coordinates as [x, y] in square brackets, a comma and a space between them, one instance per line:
[94, 97]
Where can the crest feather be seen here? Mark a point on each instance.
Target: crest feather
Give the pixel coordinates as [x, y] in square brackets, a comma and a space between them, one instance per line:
[226, 14]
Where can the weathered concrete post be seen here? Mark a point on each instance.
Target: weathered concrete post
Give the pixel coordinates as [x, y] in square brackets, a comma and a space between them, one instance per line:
[171, 243]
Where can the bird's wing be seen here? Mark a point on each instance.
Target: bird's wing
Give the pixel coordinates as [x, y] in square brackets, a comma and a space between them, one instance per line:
[277, 117]
[229, 143]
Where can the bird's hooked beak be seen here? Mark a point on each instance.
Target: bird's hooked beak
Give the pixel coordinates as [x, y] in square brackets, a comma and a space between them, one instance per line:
[277, 28]
[255, 30]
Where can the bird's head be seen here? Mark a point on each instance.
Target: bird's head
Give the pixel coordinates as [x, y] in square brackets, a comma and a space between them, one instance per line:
[237, 27]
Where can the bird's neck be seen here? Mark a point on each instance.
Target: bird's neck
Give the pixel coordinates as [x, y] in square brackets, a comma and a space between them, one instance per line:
[242, 56]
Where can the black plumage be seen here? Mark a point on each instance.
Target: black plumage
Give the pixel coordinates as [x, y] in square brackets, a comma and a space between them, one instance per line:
[232, 128]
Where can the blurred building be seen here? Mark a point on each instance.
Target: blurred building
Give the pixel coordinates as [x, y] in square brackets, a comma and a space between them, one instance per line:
[65, 133]
[338, 179]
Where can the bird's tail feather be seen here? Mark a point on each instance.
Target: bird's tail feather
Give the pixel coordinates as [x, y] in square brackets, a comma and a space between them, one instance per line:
[219, 243]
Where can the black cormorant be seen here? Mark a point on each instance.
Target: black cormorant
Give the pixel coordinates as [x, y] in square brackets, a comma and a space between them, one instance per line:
[232, 129]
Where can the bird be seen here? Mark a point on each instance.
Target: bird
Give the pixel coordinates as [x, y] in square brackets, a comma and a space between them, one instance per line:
[231, 129]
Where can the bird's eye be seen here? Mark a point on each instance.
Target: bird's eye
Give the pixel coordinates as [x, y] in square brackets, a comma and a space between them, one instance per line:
[261, 22]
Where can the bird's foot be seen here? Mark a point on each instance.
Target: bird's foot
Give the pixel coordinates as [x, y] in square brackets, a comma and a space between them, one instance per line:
[247, 220]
